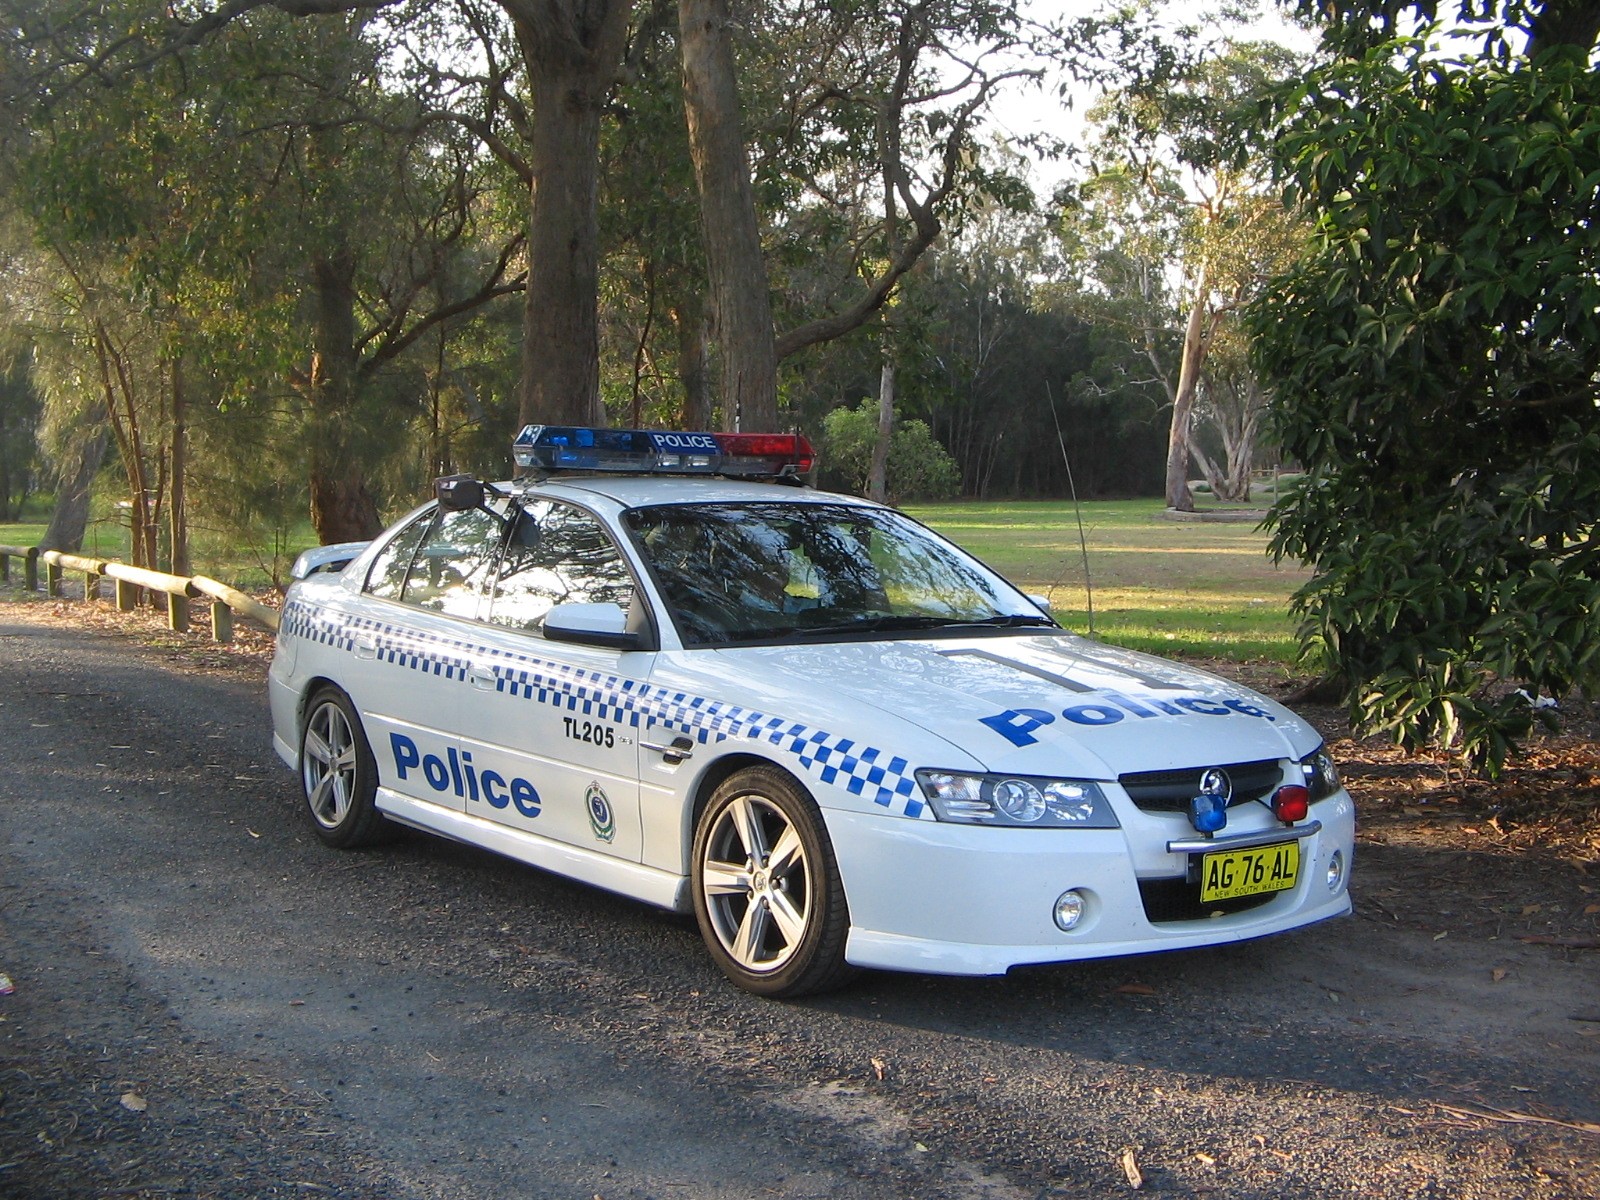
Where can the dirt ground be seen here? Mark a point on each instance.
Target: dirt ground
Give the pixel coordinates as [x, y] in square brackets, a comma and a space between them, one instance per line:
[1452, 1028]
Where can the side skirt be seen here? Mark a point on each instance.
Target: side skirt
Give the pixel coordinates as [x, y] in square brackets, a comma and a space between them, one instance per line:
[661, 888]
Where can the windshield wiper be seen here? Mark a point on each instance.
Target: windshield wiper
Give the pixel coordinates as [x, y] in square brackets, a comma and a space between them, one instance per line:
[889, 624]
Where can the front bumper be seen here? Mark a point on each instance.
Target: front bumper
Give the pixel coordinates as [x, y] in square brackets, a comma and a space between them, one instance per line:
[958, 900]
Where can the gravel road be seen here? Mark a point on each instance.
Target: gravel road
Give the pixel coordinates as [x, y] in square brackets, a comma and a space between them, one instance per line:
[209, 1004]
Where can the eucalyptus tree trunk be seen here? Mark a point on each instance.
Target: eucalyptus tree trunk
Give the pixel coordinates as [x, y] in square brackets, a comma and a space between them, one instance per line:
[698, 406]
[740, 303]
[572, 49]
[1178, 436]
[71, 516]
[342, 509]
[878, 472]
[177, 488]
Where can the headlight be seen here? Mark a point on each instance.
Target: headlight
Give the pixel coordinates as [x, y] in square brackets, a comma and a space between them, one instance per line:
[1322, 777]
[1016, 800]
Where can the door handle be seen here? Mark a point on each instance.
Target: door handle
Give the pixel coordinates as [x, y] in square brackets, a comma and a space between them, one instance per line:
[484, 681]
[366, 645]
[681, 748]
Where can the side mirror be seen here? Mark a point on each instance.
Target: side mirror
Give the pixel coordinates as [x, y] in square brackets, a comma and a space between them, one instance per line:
[1042, 601]
[592, 625]
[458, 493]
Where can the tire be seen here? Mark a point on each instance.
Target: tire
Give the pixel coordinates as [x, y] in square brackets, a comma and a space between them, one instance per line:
[767, 892]
[338, 776]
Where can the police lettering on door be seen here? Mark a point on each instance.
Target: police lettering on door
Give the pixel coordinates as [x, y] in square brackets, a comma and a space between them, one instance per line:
[454, 772]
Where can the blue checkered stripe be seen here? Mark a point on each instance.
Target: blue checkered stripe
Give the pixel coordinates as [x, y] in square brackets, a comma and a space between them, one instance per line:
[862, 770]
[413, 649]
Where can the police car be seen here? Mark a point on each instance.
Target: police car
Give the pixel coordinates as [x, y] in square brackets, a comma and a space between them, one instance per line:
[656, 664]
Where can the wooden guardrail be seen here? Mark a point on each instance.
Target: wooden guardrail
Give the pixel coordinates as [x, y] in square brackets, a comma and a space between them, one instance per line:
[225, 601]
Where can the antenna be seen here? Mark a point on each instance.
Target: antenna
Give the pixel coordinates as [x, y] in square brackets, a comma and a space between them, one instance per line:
[1083, 542]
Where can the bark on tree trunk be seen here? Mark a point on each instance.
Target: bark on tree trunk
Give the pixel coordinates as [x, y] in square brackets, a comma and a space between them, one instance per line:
[342, 510]
[741, 304]
[71, 516]
[571, 51]
[1194, 354]
[878, 473]
[690, 319]
[177, 492]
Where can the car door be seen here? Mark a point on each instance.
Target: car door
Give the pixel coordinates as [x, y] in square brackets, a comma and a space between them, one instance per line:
[553, 721]
[409, 637]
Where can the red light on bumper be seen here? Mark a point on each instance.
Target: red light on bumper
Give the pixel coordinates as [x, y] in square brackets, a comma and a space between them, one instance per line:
[1290, 803]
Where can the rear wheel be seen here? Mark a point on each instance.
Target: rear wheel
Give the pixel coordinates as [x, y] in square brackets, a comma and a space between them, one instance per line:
[338, 776]
[767, 892]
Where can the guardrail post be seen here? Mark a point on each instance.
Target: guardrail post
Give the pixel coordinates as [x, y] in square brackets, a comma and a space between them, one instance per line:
[91, 585]
[127, 595]
[177, 612]
[52, 578]
[5, 568]
[30, 569]
[221, 622]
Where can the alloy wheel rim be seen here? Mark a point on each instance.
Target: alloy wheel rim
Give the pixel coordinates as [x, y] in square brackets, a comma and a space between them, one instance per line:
[328, 765]
[756, 881]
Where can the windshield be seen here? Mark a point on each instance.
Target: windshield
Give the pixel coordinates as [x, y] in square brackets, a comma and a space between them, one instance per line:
[761, 572]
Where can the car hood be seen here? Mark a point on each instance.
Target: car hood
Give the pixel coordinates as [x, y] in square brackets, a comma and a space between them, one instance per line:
[1047, 705]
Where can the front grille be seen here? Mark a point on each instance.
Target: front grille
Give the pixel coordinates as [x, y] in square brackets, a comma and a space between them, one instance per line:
[1171, 791]
[1179, 900]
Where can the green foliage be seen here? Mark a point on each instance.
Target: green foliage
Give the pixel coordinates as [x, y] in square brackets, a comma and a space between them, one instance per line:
[919, 467]
[1435, 359]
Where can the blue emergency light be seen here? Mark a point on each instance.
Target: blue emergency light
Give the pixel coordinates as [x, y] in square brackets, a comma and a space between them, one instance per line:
[1208, 812]
[551, 448]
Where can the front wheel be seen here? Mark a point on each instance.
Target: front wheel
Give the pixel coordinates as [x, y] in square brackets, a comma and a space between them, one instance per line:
[338, 776]
[767, 892]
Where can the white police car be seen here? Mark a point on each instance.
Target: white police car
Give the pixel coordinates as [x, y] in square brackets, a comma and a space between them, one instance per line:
[835, 737]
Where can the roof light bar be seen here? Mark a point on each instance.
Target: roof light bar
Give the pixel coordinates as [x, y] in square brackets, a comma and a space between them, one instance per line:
[550, 448]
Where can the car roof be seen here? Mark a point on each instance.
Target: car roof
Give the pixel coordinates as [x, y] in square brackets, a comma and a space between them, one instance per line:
[632, 491]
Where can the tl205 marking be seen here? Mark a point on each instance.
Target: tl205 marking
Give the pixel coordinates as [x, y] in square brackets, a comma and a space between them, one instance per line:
[592, 732]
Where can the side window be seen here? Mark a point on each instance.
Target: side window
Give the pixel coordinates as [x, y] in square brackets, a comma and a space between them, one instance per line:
[556, 554]
[387, 575]
[453, 562]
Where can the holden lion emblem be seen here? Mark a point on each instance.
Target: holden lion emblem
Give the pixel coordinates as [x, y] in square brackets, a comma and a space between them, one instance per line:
[1215, 782]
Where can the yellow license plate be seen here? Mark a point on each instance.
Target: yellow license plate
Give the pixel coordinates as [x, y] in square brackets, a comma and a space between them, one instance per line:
[1229, 874]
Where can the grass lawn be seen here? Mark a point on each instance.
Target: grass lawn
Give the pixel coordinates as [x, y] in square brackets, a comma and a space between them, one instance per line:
[1198, 588]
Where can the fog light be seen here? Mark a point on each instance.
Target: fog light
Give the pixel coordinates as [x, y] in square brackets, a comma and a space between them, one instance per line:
[1336, 870]
[1070, 908]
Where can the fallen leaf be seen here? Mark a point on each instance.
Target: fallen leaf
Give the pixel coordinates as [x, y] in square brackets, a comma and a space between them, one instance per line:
[251, 832]
[6, 986]
[1206, 1158]
[921, 1149]
[1529, 909]
[1590, 909]
[134, 1102]
[296, 1003]
[1136, 989]
[1497, 974]
[879, 1067]
[1439, 937]
[1130, 1168]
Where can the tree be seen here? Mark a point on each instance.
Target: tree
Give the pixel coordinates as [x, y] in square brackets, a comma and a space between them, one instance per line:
[1177, 229]
[1434, 358]
[886, 102]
